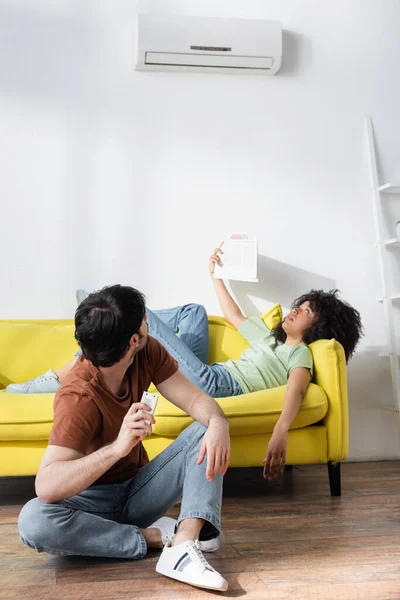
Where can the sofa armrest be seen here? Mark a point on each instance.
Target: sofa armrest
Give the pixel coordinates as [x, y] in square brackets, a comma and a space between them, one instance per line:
[331, 375]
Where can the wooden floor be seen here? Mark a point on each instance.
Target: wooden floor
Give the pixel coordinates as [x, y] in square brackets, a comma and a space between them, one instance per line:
[286, 539]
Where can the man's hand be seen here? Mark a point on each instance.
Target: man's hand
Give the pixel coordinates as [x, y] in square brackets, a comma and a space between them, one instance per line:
[274, 462]
[134, 428]
[216, 444]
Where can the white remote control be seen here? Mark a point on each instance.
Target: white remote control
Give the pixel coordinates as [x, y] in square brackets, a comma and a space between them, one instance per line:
[151, 401]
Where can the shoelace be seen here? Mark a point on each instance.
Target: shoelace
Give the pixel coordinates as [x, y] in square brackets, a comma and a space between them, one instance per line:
[39, 379]
[197, 556]
[167, 538]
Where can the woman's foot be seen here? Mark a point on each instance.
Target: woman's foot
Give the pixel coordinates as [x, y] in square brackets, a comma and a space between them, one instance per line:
[48, 383]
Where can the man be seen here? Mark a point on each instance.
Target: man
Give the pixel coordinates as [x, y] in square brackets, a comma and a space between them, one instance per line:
[98, 495]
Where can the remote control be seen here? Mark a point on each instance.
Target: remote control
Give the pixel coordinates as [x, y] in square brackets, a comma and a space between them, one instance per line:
[151, 401]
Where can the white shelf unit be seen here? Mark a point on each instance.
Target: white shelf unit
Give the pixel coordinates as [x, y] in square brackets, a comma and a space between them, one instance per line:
[388, 297]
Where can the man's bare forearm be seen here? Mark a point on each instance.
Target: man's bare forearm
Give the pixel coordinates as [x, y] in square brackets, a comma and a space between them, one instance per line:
[207, 411]
[63, 479]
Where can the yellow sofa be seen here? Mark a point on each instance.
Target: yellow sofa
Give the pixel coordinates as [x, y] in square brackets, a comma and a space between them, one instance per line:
[318, 434]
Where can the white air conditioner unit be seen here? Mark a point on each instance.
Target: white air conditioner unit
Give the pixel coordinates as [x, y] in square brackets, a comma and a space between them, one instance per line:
[208, 44]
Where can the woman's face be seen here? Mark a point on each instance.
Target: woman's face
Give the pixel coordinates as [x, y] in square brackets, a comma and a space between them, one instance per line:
[299, 320]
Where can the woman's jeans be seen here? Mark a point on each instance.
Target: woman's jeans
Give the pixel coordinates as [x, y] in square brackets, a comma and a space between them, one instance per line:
[104, 520]
[190, 347]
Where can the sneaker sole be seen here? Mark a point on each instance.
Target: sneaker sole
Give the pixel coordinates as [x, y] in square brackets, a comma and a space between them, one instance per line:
[221, 544]
[179, 577]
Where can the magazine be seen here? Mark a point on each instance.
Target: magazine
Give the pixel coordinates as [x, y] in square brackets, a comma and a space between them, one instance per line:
[239, 258]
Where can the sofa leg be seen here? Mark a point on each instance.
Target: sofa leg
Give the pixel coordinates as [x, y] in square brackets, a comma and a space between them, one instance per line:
[334, 478]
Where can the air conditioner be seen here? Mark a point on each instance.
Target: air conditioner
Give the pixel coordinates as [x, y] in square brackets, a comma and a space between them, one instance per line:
[208, 44]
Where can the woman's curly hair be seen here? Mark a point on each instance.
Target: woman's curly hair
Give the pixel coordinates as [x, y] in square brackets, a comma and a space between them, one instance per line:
[334, 319]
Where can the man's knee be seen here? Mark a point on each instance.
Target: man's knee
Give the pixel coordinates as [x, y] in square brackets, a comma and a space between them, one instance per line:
[33, 523]
[29, 522]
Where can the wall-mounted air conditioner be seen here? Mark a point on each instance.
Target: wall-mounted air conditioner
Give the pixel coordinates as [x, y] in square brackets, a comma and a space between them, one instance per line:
[208, 44]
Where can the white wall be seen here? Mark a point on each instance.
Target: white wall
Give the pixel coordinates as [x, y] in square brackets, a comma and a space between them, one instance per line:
[110, 175]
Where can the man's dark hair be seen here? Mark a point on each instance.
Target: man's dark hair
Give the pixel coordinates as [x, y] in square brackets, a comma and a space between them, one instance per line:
[334, 319]
[105, 322]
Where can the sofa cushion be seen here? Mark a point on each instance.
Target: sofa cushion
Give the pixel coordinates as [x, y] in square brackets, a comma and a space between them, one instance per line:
[29, 348]
[25, 416]
[256, 412]
[273, 316]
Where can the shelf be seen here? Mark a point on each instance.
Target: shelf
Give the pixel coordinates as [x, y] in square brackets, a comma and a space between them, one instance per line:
[387, 353]
[388, 188]
[392, 243]
[394, 298]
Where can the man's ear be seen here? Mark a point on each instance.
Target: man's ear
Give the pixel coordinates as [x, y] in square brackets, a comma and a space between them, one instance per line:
[134, 341]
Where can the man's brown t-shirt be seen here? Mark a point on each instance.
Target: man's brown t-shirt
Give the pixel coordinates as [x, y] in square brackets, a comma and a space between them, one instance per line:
[87, 415]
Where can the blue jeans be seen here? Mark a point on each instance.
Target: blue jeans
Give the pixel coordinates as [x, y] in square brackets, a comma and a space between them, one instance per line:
[104, 520]
[190, 347]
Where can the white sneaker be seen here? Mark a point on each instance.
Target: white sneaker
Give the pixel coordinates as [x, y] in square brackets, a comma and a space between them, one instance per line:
[212, 545]
[47, 383]
[186, 563]
[167, 527]
[81, 295]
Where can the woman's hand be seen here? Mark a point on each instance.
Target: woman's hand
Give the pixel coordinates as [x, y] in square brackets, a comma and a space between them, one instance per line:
[274, 462]
[230, 309]
[215, 259]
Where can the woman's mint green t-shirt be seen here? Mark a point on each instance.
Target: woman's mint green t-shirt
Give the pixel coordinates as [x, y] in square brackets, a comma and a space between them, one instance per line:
[266, 363]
